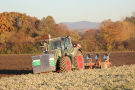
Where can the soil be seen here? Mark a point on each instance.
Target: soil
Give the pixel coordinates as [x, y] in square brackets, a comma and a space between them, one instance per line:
[11, 65]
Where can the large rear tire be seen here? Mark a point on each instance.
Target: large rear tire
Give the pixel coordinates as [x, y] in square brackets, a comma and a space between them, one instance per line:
[79, 61]
[65, 64]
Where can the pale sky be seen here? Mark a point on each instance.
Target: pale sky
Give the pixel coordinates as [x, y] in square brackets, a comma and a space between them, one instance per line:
[72, 10]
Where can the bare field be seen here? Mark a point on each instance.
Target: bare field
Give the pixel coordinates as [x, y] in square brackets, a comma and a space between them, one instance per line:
[115, 78]
[21, 64]
[16, 74]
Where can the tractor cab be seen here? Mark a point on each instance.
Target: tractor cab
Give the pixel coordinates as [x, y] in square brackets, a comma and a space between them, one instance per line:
[61, 43]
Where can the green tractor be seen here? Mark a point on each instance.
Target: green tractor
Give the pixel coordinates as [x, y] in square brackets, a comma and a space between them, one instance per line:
[58, 55]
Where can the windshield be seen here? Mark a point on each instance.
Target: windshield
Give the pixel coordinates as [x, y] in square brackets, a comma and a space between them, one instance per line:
[57, 44]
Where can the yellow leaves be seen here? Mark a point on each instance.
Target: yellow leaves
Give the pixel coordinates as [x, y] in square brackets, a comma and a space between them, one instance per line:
[116, 31]
[126, 30]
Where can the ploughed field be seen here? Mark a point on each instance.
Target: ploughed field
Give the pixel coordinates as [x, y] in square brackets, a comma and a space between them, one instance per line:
[121, 76]
[11, 65]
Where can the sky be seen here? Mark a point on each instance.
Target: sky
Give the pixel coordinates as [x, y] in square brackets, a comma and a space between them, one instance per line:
[72, 10]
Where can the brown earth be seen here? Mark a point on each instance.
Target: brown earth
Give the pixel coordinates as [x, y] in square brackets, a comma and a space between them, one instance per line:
[22, 64]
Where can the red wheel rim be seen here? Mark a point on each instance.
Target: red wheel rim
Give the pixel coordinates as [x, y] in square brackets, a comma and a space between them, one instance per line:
[80, 62]
[68, 65]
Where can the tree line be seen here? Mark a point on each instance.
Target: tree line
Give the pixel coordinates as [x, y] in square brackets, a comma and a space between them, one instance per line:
[21, 34]
[112, 36]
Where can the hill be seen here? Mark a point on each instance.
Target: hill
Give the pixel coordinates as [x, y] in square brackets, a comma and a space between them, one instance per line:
[82, 25]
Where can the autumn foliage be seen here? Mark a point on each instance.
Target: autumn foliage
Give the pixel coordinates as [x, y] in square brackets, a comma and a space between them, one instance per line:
[20, 33]
[112, 36]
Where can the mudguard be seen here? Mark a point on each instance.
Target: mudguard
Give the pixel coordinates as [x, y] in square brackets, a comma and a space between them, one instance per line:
[43, 63]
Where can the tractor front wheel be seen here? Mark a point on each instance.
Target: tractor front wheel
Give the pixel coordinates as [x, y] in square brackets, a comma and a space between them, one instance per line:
[79, 61]
[65, 64]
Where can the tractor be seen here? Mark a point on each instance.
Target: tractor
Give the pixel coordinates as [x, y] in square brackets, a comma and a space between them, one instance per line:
[59, 54]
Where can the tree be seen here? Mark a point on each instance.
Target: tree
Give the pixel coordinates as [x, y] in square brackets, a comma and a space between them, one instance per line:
[5, 25]
[90, 37]
[110, 32]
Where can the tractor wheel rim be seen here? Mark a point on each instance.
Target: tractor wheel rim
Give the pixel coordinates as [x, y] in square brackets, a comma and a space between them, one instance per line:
[80, 62]
[68, 65]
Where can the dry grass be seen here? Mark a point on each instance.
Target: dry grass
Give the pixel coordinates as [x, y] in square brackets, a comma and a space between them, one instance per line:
[115, 78]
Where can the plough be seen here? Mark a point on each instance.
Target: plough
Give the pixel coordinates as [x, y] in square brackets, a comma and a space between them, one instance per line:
[98, 63]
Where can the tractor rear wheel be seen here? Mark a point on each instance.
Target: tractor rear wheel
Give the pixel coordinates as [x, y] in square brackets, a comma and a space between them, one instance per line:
[65, 64]
[79, 61]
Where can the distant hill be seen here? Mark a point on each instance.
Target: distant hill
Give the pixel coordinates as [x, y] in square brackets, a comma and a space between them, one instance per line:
[81, 25]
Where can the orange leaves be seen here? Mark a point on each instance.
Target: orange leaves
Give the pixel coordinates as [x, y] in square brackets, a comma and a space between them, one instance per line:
[5, 25]
[14, 21]
[19, 30]
[6, 22]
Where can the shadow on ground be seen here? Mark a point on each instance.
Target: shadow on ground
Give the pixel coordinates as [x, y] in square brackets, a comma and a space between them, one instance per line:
[17, 72]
